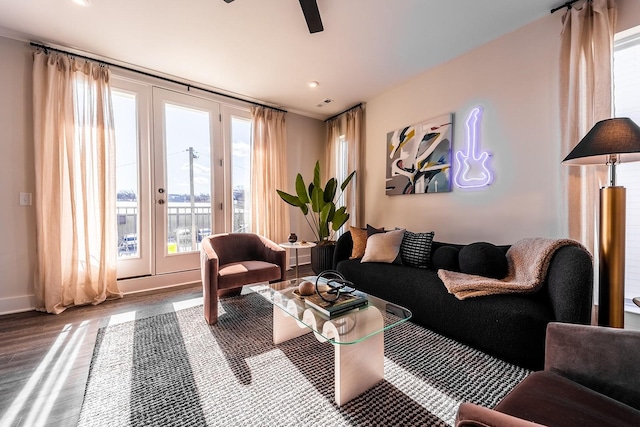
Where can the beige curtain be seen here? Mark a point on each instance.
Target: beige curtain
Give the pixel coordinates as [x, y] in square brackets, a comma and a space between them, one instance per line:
[586, 56]
[75, 183]
[270, 215]
[345, 142]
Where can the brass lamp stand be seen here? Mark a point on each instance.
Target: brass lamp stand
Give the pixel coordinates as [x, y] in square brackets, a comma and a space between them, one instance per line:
[612, 253]
[607, 143]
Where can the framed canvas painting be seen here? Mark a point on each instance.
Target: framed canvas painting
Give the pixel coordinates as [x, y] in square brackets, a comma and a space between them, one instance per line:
[419, 157]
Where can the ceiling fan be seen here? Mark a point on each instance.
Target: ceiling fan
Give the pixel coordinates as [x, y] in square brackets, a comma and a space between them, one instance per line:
[311, 15]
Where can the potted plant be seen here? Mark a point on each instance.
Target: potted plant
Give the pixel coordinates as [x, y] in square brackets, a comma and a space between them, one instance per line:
[318, 205]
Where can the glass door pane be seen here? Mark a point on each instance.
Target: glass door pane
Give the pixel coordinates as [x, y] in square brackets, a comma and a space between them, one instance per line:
[241, 173]
[185, 129]
[133, 201]
[125, 119]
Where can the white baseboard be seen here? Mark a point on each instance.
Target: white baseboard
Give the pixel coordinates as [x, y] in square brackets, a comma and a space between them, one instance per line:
[128, 286]
[160, 281]
[17, 304]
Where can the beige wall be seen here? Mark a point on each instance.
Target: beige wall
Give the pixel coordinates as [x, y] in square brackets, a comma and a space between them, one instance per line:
[514, 79]
[17, 223]
[306, 140]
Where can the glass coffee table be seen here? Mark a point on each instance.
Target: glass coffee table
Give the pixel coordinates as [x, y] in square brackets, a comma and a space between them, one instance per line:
[357, 336]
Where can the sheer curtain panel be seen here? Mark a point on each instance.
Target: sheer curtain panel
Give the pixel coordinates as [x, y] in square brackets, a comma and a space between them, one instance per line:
[345, 142]
[270, 215]
[586, 56]
[75, 182]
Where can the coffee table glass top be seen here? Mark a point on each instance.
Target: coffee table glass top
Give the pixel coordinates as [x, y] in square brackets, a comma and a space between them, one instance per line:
[343, 329]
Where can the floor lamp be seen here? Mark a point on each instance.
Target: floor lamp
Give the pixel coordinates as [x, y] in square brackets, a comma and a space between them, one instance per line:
[610, 142]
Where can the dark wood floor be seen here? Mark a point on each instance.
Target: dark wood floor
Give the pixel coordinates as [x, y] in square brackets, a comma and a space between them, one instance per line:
[44, 358]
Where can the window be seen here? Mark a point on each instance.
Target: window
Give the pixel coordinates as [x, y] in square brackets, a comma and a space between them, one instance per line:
[125, 120]
[241, 146]
[342, 172]
[627, 104]
[183, 168]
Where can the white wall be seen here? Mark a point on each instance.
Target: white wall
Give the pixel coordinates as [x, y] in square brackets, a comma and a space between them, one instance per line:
[17, 223]
[514, 78]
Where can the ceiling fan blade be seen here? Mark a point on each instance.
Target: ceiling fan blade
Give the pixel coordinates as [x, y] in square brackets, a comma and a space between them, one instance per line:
[311, 15]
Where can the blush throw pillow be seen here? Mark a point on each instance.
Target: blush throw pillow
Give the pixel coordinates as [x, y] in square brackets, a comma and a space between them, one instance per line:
[383, 247]
[415, 249]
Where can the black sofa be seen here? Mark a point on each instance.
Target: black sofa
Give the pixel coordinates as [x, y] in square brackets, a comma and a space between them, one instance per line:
[511, 327]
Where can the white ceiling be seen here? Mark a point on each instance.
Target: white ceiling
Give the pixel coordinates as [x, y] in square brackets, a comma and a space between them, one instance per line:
[262, 49]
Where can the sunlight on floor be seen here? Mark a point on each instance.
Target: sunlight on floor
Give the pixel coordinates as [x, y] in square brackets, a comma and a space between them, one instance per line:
[117, 319]
[43, 387]
[181, 305]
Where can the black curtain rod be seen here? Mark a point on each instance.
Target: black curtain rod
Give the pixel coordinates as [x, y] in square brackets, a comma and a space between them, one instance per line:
[567, 5]
[144, 73]
[345, 111]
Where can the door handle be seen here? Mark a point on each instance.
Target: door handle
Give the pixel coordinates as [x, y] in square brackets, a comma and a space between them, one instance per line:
[161, 202]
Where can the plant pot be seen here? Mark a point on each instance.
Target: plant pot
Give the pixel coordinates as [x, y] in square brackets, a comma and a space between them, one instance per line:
[322, 257]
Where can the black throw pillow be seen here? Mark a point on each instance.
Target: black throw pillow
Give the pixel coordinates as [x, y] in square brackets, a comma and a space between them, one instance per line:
[446, 258]
[372, 230]
[483, 259]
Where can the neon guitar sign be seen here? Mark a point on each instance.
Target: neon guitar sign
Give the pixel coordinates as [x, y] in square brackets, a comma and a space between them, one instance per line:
[472, 170]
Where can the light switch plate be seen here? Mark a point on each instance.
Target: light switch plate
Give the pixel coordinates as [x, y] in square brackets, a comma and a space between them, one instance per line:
[25, 199]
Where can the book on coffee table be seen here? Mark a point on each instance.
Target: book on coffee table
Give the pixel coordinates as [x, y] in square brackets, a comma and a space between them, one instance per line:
[344, 303]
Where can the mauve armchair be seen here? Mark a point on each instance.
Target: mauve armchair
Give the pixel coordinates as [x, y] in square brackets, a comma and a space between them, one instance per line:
[232, 260]
[591, 377]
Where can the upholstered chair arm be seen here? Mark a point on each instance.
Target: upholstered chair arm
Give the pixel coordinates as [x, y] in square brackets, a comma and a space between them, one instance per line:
[606, 360]
[470, 415]
[209, 267]
[273, 253]
[570, 285]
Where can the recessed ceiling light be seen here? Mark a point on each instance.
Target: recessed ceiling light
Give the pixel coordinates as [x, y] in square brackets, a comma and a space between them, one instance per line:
[81, 2]
[313, 84]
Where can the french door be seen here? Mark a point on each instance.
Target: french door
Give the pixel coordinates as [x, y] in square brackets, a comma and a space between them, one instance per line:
[169, 177]
[187, 179]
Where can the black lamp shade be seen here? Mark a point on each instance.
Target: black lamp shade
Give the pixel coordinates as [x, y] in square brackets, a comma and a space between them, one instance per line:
[612, 136]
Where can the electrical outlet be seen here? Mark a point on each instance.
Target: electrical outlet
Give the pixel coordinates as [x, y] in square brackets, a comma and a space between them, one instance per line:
[25, 199]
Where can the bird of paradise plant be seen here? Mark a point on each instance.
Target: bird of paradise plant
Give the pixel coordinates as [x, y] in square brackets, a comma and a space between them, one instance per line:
[318, 204]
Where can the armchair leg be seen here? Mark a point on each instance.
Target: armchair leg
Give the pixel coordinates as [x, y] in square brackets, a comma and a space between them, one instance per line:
[210, 303]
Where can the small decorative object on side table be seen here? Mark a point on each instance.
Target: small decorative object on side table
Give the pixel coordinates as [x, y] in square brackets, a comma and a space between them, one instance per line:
[298, 245]
[293, 238]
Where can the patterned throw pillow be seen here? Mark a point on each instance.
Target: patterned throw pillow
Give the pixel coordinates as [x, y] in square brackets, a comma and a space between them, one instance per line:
[415, 249]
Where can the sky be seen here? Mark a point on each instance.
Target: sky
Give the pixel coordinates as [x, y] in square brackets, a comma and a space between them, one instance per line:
[184, 128]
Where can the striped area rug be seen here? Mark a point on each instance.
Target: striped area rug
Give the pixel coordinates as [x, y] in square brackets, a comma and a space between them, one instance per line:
[175, 370]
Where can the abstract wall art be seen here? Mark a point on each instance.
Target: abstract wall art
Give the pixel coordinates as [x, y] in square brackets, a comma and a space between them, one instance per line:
[419, 157]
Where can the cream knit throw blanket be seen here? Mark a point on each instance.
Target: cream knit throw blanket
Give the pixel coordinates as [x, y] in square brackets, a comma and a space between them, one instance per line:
[528, 260]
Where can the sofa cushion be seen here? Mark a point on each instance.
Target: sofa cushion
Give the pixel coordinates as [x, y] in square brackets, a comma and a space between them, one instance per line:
[415, 249]
[565, 403]
[483, 259]
[383, 247]
[446, 258]
[240, 273]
